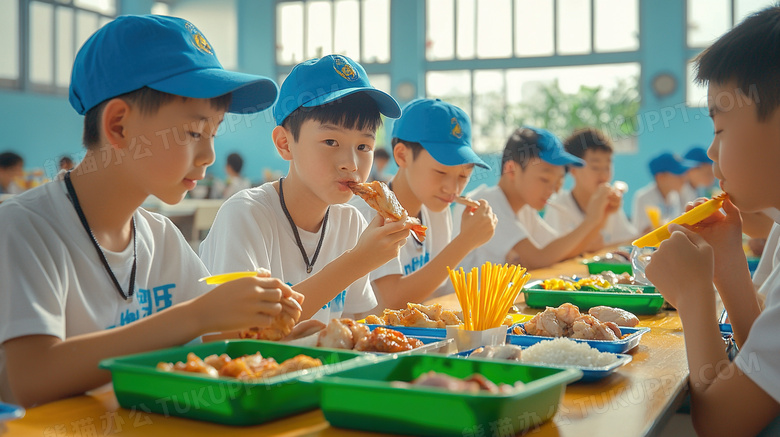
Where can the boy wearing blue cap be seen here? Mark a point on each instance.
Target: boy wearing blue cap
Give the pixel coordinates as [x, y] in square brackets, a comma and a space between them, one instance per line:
[665, 193]
[740, 397]
[86, 272]
[700, 179]
[531, 170]
[432, 147]
[566, 209]
[298, 227]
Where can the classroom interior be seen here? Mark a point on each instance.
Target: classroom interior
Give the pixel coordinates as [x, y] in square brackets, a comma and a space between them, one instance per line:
[622, 66]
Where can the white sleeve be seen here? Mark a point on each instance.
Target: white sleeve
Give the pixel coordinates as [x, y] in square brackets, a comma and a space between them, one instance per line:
[360, 295]
[758, 357]
[192, 268]
[392, 267]
[509, 232]
[33, 290]
[238, 239]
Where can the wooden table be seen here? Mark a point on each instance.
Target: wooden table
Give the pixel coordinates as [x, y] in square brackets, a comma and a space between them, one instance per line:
[636, 400]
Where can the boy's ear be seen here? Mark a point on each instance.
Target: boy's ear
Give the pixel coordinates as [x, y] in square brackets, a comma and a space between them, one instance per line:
[114, 120]
[402, 154]
[510, 167]
[282, 138]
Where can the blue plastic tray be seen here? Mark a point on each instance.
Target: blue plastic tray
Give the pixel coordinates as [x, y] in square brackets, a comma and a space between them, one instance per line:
[10, 412]
[414, 331]
[616, 347]
[589, 374]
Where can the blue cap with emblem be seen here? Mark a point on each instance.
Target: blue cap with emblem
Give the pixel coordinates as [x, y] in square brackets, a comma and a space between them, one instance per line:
[319, 81]
[443, 130]
[166, 54]
[697, 154]
[526, 142]
[670, 163]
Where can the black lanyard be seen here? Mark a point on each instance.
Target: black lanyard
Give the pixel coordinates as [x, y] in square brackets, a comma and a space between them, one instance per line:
[75, 200]
[309, 264]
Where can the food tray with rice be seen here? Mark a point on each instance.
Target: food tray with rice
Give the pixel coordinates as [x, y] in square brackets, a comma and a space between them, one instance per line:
[559, 353]
[138, 382]
[388, 404]
[629, 340]
[635, 298]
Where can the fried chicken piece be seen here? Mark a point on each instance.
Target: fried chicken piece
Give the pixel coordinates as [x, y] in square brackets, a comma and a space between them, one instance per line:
[336, 335]
[450, 318]
[378, 196]
[280, 326]
[432, 311]
[374, 320]
[416, 318]
[392, 317]
[508, 352]
[387, 340]
[567, 313]
[546, 324]
[194, 364]
[217, 361]
[588, 327]
[294, 364]
[618, 316]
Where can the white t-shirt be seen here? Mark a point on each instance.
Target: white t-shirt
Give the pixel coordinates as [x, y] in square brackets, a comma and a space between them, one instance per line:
[413, 255]
[770, 258]
[252, 231]
[563, 215]
[649, 195]
[511, 228]
[759, 358]
[55, 284]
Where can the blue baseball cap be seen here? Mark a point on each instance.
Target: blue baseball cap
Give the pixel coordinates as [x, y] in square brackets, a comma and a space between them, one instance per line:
[443, 129]
[319, 81]
[668, 162]
[698, 155]
[166, 54]
[551, 148]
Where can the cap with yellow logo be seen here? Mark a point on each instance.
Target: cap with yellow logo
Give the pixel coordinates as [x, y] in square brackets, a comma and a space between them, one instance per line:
[167, 54]
[443, 129]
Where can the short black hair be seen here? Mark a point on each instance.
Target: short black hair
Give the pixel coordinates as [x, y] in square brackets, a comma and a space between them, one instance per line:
[521, 147]
[10, 159]
[381, 153]
[586, 139]
[354, 111]
[750, 55]
[148, 100]
[66, 160]
[236, 162]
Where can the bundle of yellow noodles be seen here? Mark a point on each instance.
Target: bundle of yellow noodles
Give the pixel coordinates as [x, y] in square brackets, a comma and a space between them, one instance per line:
[485, 298]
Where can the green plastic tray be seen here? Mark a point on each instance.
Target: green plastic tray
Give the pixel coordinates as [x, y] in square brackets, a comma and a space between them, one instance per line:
[139, 385]
[648, 302]
[595, 267]
[363, 398]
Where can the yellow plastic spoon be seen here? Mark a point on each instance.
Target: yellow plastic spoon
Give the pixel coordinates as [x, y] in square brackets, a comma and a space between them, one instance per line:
[695, 215]
[227, 277]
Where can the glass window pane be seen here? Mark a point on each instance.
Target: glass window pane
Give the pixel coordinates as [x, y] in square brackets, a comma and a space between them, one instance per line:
[566, 98]
[319, 30]
[573, 26]
[494, 28]
[743, 8]
[41, 25]
[376, 31]
[107, 7]
[65, 49]
[160, 8]
[465, 28]
[86, 25]
[289, 38]
[707, 20]
[9, 32]
[534, 28]
[696, 95]
[617, 25]
[440, 42]
[346, 38]
[488, 125]
[380, 82]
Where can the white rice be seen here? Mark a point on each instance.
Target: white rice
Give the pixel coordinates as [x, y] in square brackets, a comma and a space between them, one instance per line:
[562, 351]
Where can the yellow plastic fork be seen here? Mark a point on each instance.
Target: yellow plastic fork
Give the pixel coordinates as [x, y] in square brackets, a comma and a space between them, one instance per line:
[695, 215]
[227, 277]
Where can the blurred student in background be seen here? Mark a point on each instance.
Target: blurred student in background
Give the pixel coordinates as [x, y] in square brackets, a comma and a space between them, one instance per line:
[566, 210]
[381, 158]
[66, 163]
[701, 180]
[661, 200]
[11, 171]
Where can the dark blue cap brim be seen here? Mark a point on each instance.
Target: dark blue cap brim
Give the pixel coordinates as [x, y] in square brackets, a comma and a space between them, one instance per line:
[251, 93]
[684, 166]
[561, 158]
[448, 154]
[386, 103]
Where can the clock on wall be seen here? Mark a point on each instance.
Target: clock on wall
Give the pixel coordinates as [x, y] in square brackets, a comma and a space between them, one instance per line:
[664, 84]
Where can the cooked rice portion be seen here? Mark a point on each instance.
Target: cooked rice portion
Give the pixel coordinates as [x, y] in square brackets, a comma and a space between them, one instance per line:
[562, 351]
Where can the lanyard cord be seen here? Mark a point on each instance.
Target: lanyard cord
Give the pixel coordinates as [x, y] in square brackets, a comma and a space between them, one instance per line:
[309, 264]
[75, 200]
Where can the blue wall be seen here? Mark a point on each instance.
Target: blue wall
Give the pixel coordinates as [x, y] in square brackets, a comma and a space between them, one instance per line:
[43, 127]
